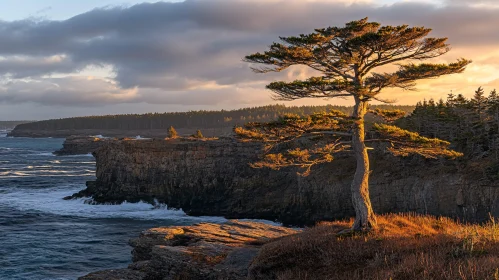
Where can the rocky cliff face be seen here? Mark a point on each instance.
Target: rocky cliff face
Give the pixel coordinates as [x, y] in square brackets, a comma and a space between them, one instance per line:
[214, 178]
[202, 251]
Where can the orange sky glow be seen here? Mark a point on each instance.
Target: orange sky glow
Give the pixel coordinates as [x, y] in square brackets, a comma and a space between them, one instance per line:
[181, 56]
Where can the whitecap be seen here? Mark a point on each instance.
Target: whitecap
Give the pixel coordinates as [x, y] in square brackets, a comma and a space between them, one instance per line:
[99, 136]
[50, 201]
[45, 154]
[14, 174]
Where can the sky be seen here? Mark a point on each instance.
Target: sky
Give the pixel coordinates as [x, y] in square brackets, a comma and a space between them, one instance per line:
[61, 58]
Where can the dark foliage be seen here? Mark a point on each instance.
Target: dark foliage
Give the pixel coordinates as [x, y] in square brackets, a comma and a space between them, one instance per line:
[472, 125]
[193, 119]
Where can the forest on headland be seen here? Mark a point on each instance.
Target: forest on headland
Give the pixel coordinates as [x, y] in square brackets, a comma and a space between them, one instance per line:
[192, 119]
[471, 125]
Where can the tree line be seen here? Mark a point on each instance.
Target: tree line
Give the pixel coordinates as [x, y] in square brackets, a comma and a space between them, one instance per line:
[193, 119]
[471, 125]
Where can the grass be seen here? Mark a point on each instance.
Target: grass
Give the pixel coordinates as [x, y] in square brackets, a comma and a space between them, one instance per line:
[405, 246]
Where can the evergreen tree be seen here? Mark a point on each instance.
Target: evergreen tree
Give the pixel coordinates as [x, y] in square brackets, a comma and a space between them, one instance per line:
[172, 133]
[450, 99]
[346, 57]
[493, 105]
[479, 102]
[472, 124]
[198, 134]
[460, 101]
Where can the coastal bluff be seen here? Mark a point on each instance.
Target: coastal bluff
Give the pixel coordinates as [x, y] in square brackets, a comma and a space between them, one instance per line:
[213, 177]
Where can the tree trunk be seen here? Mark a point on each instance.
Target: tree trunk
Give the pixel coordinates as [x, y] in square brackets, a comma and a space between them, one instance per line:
[364, 214]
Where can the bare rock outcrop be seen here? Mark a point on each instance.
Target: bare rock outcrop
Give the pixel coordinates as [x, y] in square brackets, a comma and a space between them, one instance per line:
[202, 251]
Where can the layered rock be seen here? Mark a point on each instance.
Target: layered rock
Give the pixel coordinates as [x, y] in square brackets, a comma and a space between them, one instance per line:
[214, 178]
[81, 145]
[202, 251]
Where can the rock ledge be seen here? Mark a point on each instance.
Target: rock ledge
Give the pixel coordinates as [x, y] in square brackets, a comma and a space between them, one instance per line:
[201, 251]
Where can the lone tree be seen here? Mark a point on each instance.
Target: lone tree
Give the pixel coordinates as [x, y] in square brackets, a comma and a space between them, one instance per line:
[198, 134]
[346, 58]
[172, 133]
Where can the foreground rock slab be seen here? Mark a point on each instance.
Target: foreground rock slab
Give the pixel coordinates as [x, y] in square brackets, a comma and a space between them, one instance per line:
[201, 251]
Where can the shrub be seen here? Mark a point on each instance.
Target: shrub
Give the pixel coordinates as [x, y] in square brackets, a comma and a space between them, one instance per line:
[198, 134]
[172, 133]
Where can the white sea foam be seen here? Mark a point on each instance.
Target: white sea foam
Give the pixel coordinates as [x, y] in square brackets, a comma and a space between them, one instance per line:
[100, 136]
[50, 201]
[45, 154]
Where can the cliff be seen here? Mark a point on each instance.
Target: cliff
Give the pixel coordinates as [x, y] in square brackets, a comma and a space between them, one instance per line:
[202, 251]
[206, 177]
[81, 145]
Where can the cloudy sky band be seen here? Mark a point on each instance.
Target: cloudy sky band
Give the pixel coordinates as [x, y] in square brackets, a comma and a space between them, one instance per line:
[176, 56]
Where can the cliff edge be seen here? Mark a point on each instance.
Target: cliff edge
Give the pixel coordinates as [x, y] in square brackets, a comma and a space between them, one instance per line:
[81, 145]
[213, 177]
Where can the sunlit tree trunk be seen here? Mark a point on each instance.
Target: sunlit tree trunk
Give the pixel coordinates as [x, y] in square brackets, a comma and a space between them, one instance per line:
[364, 214]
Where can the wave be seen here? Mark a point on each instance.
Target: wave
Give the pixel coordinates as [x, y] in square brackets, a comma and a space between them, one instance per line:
[81, 155]
[45, 154]
[14, 174]
[50, 201]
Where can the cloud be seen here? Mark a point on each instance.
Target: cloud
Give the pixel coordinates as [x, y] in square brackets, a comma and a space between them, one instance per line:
[18, 67]
[473, 3]
[91, 91]
[190, 52]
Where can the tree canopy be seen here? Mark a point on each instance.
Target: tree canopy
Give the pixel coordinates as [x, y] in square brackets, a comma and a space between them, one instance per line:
[346, 57]
[350, 62]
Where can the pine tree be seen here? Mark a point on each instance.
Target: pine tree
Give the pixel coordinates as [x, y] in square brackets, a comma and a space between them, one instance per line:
[493, 105]
[450, 99]
[172, 133]
[198, 134]
[346, 57]
[479, 102]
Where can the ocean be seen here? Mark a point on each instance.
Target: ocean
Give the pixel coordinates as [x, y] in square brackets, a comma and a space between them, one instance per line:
[43, 236]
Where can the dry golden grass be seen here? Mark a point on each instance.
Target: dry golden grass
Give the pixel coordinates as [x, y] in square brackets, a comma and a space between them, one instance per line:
[404, 247]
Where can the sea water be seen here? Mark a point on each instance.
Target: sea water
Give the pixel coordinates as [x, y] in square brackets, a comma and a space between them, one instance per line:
[43, 236]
